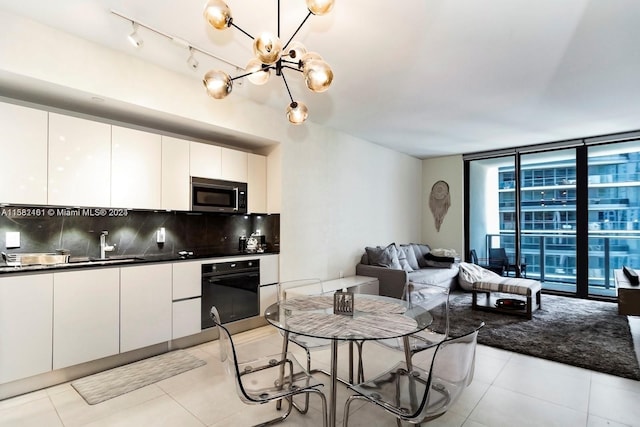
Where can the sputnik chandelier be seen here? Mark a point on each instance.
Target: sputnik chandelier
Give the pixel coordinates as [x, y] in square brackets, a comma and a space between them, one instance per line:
[272, 55]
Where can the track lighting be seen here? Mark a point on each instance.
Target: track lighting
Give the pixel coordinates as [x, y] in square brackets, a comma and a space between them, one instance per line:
[134, 38]
[191, 60]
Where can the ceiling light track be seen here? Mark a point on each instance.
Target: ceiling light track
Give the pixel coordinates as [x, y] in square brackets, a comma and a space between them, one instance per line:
[191, 60]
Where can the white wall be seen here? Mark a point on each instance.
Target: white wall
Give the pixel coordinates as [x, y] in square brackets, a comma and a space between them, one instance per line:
[338, 193]
[451, 234]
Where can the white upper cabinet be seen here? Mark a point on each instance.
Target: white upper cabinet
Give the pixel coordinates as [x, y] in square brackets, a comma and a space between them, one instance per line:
[234, 165]
[257, 183]
[205, 160]
[175, 174]
[136, 158]
[23, 164]
[79, 162]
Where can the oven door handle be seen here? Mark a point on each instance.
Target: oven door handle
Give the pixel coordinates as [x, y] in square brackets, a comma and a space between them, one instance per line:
[215, 279]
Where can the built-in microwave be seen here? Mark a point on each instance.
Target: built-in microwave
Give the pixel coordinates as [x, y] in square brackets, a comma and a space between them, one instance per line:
[214, 195]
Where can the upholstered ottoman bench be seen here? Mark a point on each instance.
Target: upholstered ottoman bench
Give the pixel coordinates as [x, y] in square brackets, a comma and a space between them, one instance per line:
[528, 288]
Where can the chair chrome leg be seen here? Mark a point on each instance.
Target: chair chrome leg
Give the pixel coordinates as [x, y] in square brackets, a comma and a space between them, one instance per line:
[285, 348]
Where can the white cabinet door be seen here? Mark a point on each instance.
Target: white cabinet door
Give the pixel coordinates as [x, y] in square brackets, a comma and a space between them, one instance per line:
[274, 180]
[269, 269]
[187, 279]
[257, 183]
[23, 163]
[268, 296]
[176, 185]
[85, 316]
[234, 165]
[26, 313]
[205, 160]
[79, 162]
[136, 158]
[186, 317]
[145, 306]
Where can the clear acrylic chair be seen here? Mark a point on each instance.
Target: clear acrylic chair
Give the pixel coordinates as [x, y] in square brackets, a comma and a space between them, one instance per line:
[432, 299]
[266, 379]
[295, 288]
[423, 391]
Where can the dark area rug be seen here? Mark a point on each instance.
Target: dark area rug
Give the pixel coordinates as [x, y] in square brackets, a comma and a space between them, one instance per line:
[583, 333]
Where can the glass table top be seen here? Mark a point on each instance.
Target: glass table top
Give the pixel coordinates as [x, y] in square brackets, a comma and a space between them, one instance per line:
[374, 317]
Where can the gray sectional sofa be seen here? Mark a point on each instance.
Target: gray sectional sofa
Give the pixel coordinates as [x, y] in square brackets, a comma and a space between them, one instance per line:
[395, 265]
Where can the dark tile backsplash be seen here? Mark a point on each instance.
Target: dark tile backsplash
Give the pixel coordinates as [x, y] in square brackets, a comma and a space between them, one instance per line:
[45, 229]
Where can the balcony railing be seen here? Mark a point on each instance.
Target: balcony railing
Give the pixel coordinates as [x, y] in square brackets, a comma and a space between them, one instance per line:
[551, 256]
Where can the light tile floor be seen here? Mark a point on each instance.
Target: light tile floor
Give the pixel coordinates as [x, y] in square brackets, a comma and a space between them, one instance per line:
[509, 389]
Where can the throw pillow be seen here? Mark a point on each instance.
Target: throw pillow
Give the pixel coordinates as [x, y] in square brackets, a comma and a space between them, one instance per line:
[384, 257]
[411, 256]
[373, 254]
[421, 251]
[402, 258]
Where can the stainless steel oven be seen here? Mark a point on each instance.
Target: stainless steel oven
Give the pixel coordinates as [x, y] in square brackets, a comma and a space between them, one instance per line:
[215, 195]
[233, 287]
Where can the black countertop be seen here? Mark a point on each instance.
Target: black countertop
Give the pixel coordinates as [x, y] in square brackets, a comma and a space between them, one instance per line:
[123, 260]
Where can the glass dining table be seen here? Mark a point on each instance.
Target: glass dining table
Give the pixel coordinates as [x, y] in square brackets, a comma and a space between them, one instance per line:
[373, 318]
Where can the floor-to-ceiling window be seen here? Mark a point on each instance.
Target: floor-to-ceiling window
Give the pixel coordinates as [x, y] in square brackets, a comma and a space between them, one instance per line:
[568, 213]
[614, 212]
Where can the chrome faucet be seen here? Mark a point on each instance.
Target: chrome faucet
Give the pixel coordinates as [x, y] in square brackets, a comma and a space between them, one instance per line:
[104, 248]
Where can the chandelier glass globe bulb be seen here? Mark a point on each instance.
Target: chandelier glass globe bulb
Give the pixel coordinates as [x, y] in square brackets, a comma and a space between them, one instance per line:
[317, 75]
[259, 75]
[297, 113]
[217, 14]
[267, 48]
[218, 84]
[320, 7]
[296, 50]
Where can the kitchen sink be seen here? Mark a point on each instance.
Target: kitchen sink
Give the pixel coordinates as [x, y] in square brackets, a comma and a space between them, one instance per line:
[105, 261]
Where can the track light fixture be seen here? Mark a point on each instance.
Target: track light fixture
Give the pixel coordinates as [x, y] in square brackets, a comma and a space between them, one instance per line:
[272, 55]
[191, 60]
[134, 37]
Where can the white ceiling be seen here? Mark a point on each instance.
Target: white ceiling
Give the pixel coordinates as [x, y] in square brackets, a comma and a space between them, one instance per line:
[424, 77]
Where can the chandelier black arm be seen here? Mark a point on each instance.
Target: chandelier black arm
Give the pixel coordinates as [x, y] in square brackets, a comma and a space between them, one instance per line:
[296, 63]
[252, 72]
[287, 86]
[231, 24]
[298, 29]
[292, 68]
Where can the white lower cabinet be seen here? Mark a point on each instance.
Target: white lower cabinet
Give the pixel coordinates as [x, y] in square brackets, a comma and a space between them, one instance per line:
[85, 316]
[186, 317]
[145, 306]
[187, 288]
[268, 296]
[269, 276]
[269, 269]
[26, 304]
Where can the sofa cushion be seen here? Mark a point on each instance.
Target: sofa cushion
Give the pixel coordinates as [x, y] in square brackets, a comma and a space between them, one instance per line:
[433, 276]
[420, 251]
[411, 256]
[402, 258]
[384, 257]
